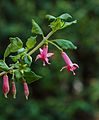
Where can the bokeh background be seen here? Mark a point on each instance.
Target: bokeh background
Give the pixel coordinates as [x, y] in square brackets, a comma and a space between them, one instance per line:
[58, 95]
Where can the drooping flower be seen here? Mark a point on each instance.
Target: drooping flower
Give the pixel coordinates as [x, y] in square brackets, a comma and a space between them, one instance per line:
[44, 55]
[13, 89]
[70, 66]
[5, 85]
[26, 90]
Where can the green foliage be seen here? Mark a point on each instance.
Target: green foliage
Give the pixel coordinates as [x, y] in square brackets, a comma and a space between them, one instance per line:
[14, 46]
[18, 75]
[31, 42]
[60, 22]
[65, 44]
[27, 59]
[57, 24]
[36, 28]
[66, 24]
[31, 77]
[65, 16]
[50, 17]
[3, 66]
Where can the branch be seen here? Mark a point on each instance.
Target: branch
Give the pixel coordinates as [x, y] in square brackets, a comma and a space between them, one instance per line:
[41, 43]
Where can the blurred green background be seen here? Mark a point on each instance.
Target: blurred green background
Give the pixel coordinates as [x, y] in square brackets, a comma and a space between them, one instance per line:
[58, 95]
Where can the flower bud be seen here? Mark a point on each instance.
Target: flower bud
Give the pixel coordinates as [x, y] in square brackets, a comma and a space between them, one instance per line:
[5, 85]
[13, 89]
[26, 90]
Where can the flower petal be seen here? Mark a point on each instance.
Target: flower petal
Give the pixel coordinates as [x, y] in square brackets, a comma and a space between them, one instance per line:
[41, 51]
[74, 64]
[38, 57]
[50, 54]
[47, 61]
[66, 58]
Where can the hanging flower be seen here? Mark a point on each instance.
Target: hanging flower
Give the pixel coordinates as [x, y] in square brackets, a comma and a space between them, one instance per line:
[44, 55]
[70, 66]
[26, 90]
[5, 85]
[13, 89]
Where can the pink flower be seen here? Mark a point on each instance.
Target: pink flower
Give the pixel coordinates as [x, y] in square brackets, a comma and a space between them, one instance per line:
[5, 85]
[13, 89]
[44, 55]
[70, 66]
[26, 90]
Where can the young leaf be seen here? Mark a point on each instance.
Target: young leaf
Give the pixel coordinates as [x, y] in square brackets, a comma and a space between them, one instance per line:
[65, 44]
[21, 50]
[36, 28]
[15, 44]
[26, 69]
[15, 58]
[57, 24]
[3, 66]
[50, 17]
[69, 23]
[31, 77]
[18, 74]
[65, 16]
[27, 59]
[31, 42]
[7, 51]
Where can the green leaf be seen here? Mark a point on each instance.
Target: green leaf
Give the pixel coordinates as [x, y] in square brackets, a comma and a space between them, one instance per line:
[31, 77]
[15, 58]
[18, 74]
[65, 44]
[21, 50]
[14, 46]
[3, 66]
[31, 42]
[50, 17]
[7, 51]
[26, 69]
[21, 53]
[65, 16]
[57, 24]
[69, 23]
[36, 28]
[27, 59]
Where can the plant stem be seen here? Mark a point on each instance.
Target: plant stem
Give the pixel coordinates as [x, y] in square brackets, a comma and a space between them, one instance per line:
[55, 45]
[41, 43]
[4, 72]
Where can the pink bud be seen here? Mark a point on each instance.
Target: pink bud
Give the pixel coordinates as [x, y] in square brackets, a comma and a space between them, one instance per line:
[13, 89]
[26, 90]
[5, 85]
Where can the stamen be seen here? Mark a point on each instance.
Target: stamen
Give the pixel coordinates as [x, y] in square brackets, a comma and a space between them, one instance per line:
[62, 68]
[43, 63]
[74, 73]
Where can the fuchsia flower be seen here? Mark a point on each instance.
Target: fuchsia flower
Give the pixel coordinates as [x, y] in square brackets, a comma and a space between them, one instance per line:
[70, 66]
[13, 89]
[26, 90]
[5, 85]
[44, 55]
